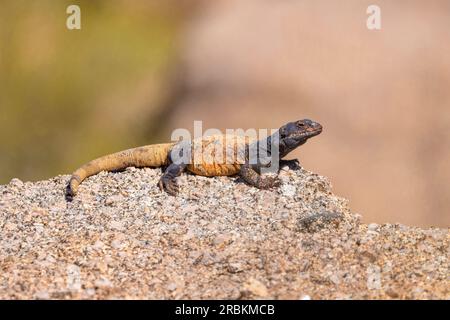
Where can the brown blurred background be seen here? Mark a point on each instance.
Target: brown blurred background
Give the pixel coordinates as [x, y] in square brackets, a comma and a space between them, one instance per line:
[139, 69]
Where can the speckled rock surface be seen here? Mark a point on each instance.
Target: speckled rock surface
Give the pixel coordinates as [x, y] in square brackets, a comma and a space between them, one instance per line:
[123, 238]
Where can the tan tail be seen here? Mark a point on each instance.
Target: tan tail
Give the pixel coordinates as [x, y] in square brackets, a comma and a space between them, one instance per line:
[154, 155]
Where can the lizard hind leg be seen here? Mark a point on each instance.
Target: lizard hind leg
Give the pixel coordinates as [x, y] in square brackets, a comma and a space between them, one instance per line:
[168, 180]
[72, 187]
[252, 177]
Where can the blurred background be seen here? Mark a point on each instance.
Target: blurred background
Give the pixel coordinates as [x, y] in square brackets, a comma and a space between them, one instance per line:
[139, 69]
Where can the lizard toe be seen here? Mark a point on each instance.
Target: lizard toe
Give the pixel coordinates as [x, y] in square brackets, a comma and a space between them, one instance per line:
[172, 188]
[276, 183]
[169, 186]
[161, 184]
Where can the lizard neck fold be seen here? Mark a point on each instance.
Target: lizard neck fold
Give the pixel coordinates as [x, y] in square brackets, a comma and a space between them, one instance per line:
[276, 143]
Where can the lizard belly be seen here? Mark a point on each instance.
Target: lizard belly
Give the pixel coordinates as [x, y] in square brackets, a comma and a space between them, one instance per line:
[218, 155]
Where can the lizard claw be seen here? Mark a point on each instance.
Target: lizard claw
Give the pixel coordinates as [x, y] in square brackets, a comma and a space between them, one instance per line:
[168, 185]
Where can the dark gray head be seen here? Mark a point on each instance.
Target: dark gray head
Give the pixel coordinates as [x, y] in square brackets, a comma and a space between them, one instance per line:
[294, 134]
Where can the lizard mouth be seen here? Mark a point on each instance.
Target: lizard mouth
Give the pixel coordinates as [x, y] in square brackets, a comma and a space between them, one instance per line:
[312, 131]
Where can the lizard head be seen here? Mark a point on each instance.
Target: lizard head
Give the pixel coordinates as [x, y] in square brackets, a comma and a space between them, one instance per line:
[294, 134]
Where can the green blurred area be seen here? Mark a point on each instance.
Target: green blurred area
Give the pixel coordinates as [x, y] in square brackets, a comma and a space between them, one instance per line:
[69, 95]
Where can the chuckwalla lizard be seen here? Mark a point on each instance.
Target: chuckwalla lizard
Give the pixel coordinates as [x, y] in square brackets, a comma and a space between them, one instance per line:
[289, 137]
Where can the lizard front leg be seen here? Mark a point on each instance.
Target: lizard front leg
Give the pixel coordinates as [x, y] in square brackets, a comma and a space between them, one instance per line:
[292, 164]
[254, 178]
[168, 182]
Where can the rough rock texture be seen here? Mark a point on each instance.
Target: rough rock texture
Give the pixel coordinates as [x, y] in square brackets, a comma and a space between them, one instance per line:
[123, 238]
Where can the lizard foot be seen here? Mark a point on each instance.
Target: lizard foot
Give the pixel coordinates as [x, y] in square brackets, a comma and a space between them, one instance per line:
[168, 185]
[269, 183]
[293, 164]
[69, 194]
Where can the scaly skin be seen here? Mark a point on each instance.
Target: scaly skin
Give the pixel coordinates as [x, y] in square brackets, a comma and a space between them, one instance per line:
[219, 155]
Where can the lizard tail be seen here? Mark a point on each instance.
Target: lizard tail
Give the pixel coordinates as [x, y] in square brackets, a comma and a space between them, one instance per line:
[154, 155]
